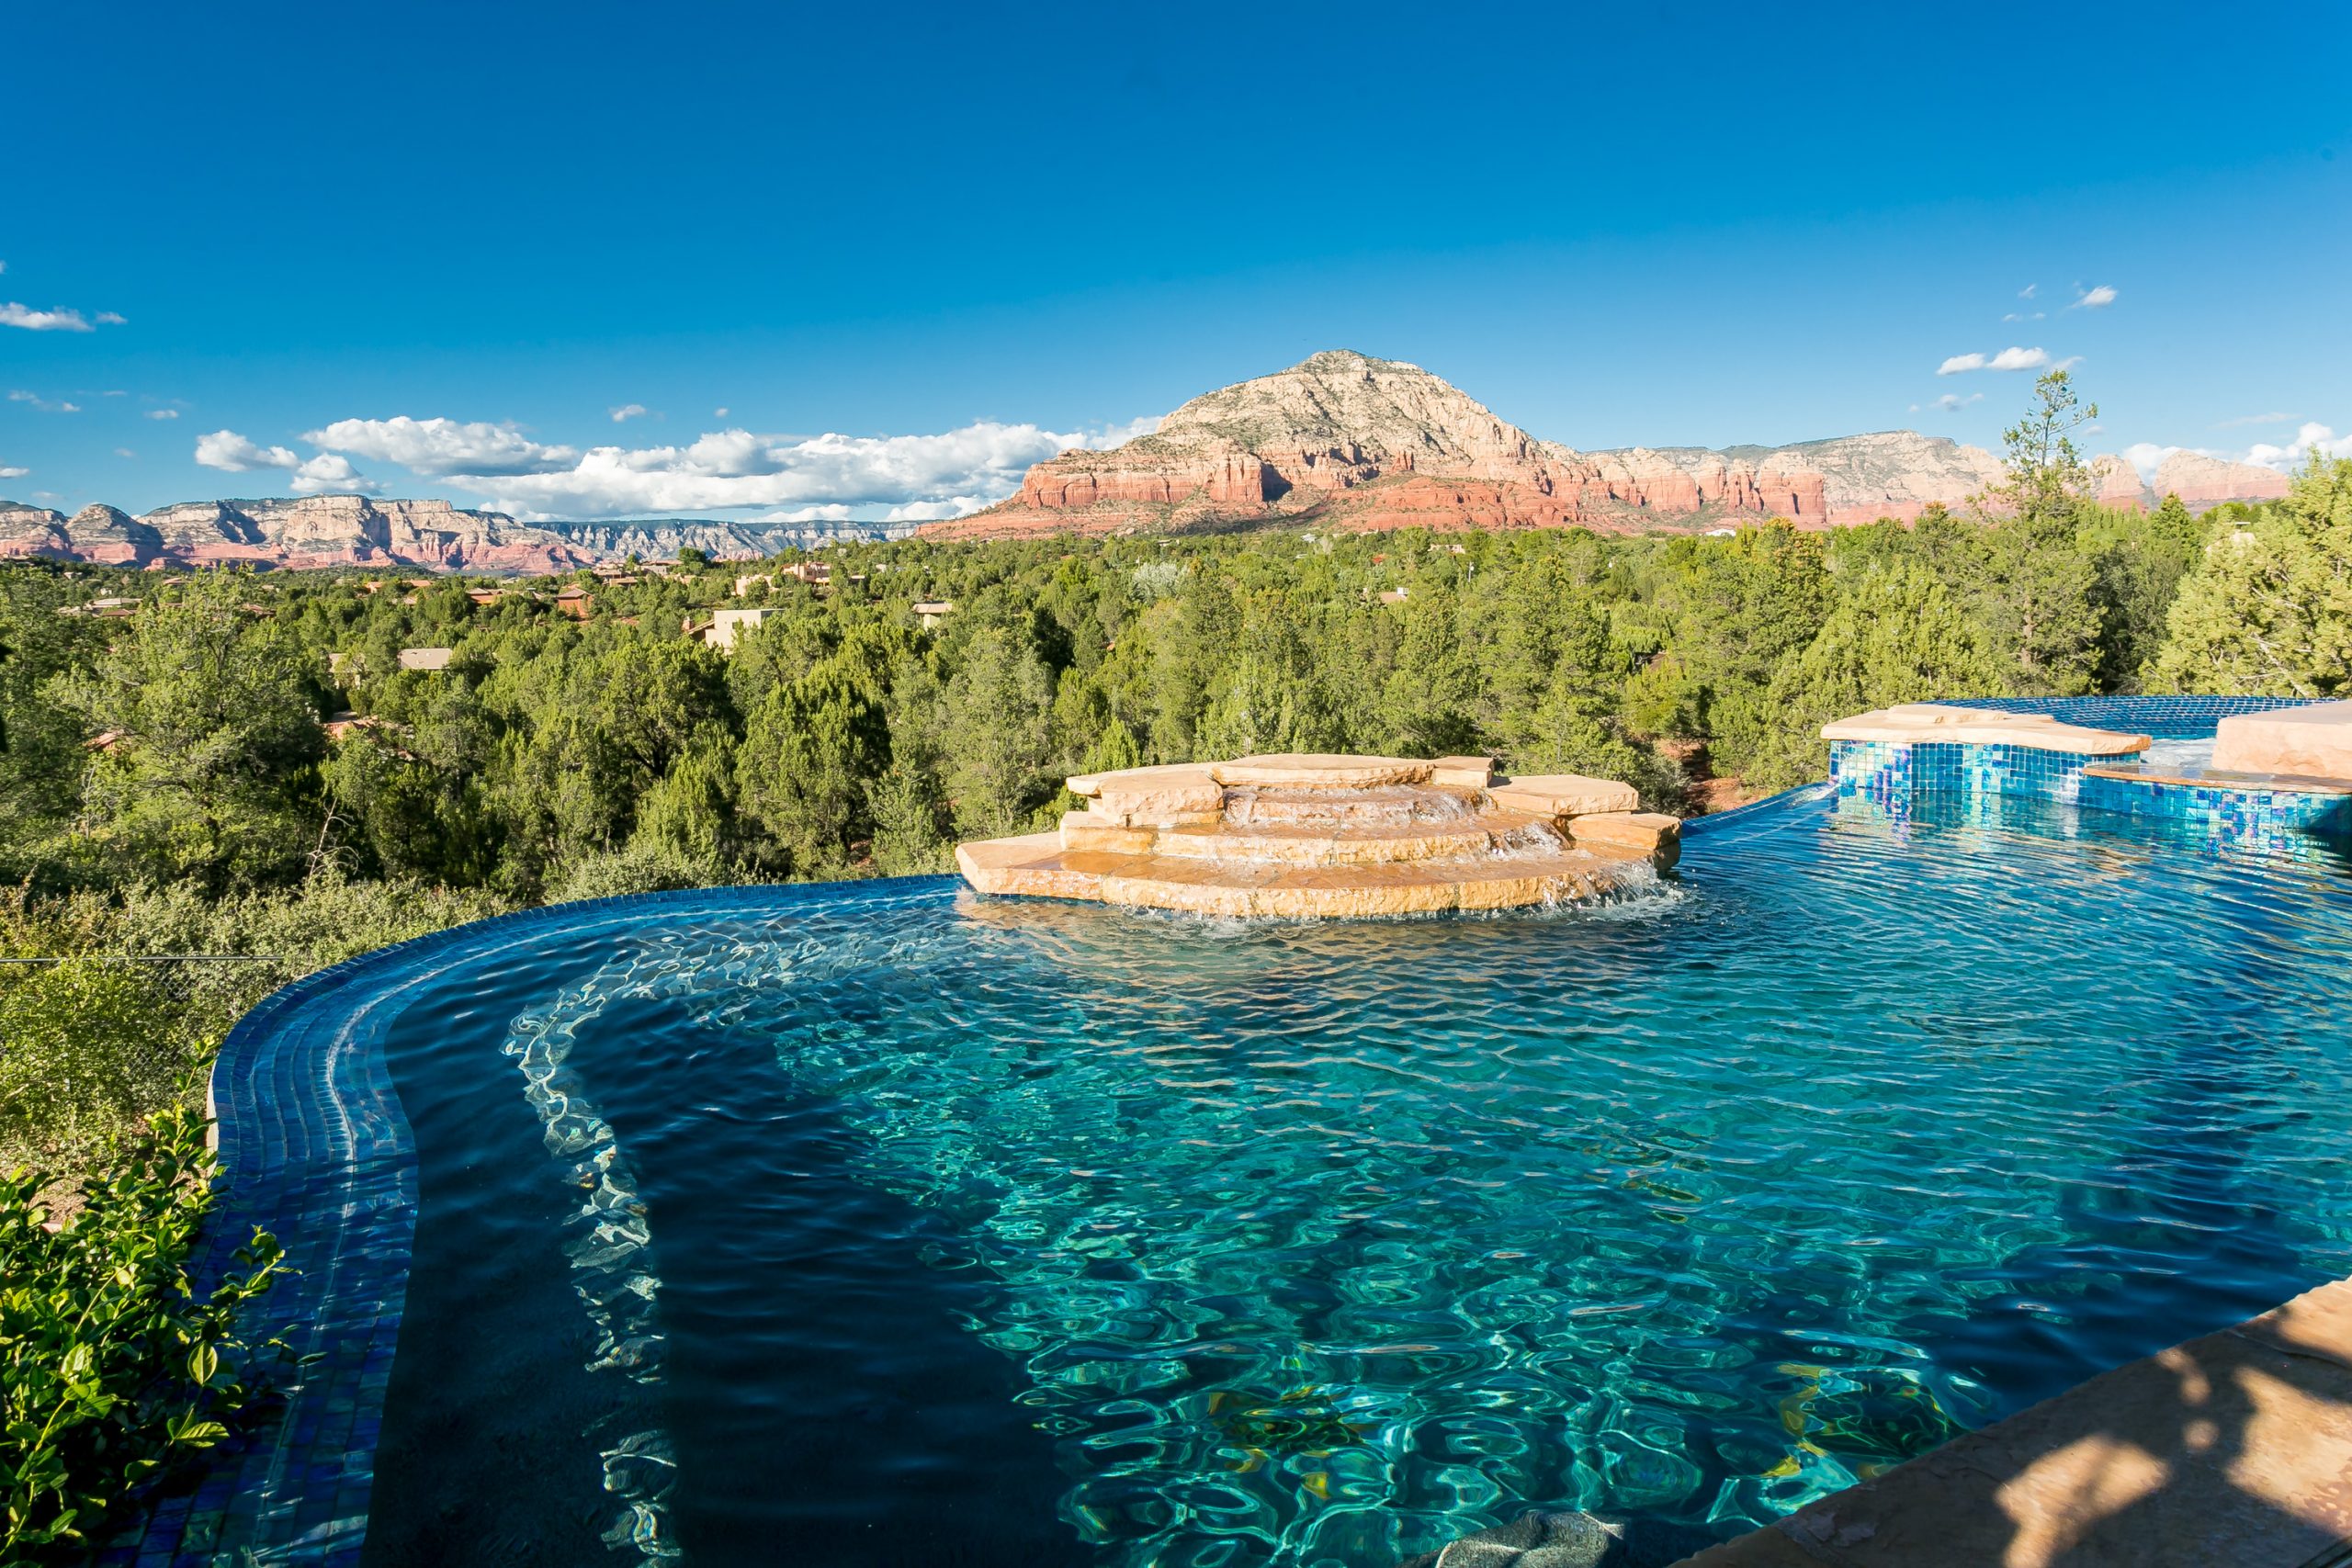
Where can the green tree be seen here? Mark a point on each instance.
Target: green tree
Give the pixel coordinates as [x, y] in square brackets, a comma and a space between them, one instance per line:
[2041, 601]
[2267, 610]
[995, 745]
[1895, 636]
[205, 740]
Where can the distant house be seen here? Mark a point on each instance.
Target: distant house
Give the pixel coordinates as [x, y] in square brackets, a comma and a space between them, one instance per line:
[744, 583]
[426, 658]
[577, 602]
[485, 595]
[1395, 595]
[725, 626]
[930, 612]
[816, 573]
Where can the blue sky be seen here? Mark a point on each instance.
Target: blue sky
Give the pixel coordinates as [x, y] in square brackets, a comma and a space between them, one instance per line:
[907, 249]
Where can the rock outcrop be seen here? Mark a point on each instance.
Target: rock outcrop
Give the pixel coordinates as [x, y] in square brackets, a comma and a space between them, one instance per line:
[1352, 441]
[357, 530]
[2201, 481]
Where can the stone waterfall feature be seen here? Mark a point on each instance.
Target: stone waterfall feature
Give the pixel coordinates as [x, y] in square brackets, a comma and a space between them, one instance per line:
[1336, 836]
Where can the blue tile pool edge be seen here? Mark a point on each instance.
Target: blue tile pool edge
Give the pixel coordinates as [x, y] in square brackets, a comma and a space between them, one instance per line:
[314, 1147]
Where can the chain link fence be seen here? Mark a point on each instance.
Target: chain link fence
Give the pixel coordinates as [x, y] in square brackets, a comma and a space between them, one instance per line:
[92, 1044]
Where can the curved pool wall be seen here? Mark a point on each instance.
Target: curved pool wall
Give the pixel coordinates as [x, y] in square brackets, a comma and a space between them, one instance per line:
[317, 1148]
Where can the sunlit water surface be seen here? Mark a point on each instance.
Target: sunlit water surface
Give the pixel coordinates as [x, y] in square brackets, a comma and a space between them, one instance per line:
[917, 1228]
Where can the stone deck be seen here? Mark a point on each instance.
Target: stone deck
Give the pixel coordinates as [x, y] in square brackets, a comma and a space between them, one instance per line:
[2234, 1448]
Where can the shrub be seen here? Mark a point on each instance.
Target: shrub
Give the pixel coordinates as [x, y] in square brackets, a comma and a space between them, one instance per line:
[87, 1049]
[110, 1367]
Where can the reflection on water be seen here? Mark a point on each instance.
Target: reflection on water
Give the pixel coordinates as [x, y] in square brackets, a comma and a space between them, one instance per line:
[1325, 1242]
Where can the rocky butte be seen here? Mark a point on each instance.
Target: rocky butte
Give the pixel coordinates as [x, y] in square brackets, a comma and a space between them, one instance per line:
[354, 530]
[1353, 442]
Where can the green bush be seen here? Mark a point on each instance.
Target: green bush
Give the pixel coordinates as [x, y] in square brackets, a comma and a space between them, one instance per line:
[88, 1048]
[110, 1367]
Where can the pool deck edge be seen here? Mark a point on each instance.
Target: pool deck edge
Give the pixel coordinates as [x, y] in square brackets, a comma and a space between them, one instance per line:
[2234, 1447]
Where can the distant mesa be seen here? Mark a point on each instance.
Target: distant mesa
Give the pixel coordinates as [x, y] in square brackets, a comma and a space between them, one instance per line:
[354, 530]
[1340, 440]
[1357, 443]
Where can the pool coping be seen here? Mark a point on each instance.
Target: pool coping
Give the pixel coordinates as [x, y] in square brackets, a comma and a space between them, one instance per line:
[2233, 1447]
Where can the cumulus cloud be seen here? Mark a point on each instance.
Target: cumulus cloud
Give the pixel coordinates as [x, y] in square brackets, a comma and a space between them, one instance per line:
[41, 404]
[2146, 454]
[799, 479]
[2288, 458]
[2312, 437]
[163, 414]
[2008, 359]
[439, 446]
[2097, 299]
[628, 412]
[60, 321]
[226, 450]
[8, 473]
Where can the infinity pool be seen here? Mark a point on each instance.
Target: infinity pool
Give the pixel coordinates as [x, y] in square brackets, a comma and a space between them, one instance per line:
[897, 1226]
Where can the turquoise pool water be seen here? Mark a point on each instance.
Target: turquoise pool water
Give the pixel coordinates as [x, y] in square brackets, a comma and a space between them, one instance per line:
[908, 1228]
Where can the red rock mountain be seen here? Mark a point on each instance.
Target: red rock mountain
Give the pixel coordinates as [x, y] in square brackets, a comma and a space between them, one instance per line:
[307, 531]
[1359, 443]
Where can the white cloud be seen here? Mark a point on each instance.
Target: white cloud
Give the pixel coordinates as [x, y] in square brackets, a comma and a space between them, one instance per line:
[2019, 316]
[2144, 455]
[2097, 299]
[1952, 403]
[163, 414]
[628, 411]
[2008, 359]
[444, 446]
[2291, 458]
[124, 452]
[41, 404]
[60, 321]
[112, 318]
[14, 473]
[227, 450]
[801, 480]
[718, 413]
[2027, 292]
[2245, 419]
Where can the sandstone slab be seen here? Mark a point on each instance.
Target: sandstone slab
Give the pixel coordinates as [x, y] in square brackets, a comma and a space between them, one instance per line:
[1652, 833]
[1173, 793]
[2313, 741]
[1921, 724]
[1564, 794]
[1318, 771]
